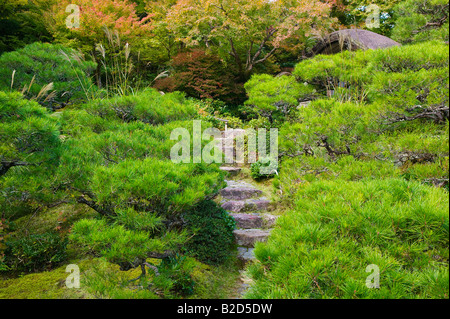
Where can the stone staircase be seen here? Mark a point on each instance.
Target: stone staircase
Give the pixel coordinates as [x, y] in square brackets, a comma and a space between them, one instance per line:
[248, 207]
[246, 204]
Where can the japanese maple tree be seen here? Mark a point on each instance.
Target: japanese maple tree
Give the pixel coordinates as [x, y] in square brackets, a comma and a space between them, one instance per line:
[247, 32]
[96, 17]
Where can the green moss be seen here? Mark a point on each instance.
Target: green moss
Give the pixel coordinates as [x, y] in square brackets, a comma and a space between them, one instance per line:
[218, 282]
[44, 285]
[60, 218]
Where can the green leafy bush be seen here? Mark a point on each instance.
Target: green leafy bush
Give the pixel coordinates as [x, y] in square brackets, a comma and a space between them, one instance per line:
[212, 228]
[116, 243]
[35, 252]
[358, 174]
[268, 164]
[147, 106]
[22, 23]
[275, 98]
[373, 75]
[30, 148]
[399, 116]
[37, 65]
[176, 276]
[27, 133]
[321, 247]
[117, 162]
[418, 20]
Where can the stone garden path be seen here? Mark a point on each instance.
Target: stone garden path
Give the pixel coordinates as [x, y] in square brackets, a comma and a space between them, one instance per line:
[248, 206]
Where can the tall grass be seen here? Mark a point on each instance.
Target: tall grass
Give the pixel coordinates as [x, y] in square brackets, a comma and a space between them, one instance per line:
[45, 94]
[89, 89]
[118, 66]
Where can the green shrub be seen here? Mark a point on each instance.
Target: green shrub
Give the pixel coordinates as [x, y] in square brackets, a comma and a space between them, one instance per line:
[357, 175]
[212, 228]
[147, 106]
[275, 98]
[418, 20]
[176, 276]
[116, 243]
[321, 247]
[27, 132]
[117, 162]
[392, 108]
[30, 148]
[4, 225]
[373, 75]
[39, 64]
[267, 164]
[35, 252]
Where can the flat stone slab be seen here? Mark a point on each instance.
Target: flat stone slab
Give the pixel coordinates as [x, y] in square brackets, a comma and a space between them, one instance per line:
[240, 193]
[238, 184]
[246, 254]
[248, 221]
[248, 237]
[251, 221]
[249, 205]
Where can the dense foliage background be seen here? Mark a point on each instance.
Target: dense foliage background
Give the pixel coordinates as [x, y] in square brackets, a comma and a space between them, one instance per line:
[86, 115]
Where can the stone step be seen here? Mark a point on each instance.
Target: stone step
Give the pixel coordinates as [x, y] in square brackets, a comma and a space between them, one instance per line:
[240, 193]
[251, 221]
[248, 237]
[269, 220]
[246, 254]
[232, 171]
[231, 183]
[249, 205]
[225, 145]
[248, 221]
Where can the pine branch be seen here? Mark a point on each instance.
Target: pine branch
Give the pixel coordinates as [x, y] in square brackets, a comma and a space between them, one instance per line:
[5, 166]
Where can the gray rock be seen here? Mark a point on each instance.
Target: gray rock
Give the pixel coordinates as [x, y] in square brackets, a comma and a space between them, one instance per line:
[238, 184]
[351, 39]
[257, 204]
[248, 237]
[240, 206]
[269, 220]
[248, 221]
[240, 193]
[235, 206]
[246, 254]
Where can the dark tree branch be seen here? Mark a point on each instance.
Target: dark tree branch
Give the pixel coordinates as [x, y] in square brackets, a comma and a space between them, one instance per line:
[154, 268]
[438, 182]
[235, 55]
[102, 210]
[439, 114]
[332, 152]
[156, 255]
[254, 61]
[5, 166]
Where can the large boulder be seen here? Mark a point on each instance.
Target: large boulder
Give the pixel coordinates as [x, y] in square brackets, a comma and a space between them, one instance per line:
[351, 39]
